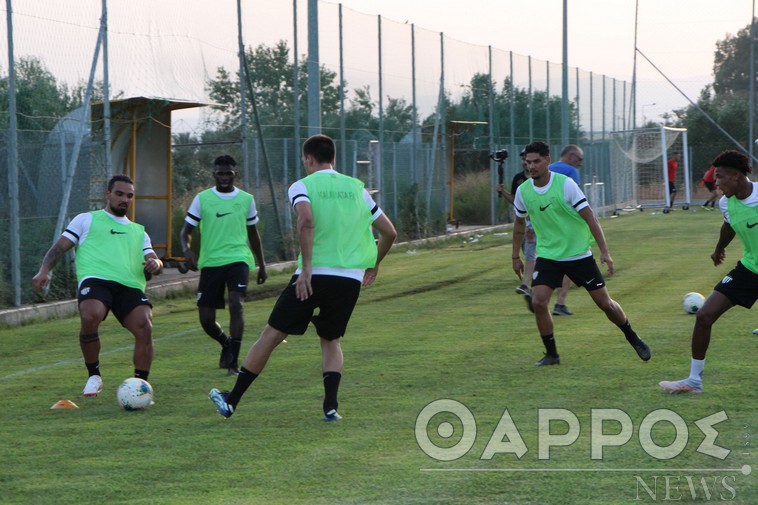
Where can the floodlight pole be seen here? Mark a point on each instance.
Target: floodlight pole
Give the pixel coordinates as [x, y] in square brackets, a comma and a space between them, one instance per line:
[633, 104]
[15, 234]
[243, 105]
[565, 92]
[314, 80]
[751, 101]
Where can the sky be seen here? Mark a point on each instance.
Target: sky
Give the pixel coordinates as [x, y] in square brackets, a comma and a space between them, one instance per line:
[679, 36]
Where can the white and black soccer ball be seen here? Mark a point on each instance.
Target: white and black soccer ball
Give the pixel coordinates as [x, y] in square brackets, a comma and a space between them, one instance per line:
[135, 394]
[692, 302]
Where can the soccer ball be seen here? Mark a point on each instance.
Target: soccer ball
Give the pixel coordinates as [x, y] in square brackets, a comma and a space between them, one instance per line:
[135, 394]
[692, 302]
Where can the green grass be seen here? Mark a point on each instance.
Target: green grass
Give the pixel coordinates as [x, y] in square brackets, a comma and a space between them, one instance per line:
[441, 322]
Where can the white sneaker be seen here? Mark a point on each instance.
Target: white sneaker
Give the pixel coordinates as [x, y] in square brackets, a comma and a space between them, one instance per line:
[94, 386]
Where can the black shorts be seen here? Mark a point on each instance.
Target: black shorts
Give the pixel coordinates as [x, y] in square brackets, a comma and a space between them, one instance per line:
[740, 286]
[582, 272]
[334, 296]
[710, 186]
[119, 299]
[215, 280]
[672, 187]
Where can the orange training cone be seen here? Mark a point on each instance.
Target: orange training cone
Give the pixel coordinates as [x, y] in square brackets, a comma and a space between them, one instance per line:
[64, 404]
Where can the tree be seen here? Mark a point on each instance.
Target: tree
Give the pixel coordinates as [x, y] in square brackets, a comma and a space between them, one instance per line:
[725, 100]
[41, 101]
[271, 73]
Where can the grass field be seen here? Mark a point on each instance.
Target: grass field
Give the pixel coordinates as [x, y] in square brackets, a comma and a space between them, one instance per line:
[442, 322]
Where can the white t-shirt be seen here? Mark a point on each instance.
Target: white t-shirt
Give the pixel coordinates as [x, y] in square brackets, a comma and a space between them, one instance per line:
[194, 214]
[750, 201]
[299, 193]
[572, 195]
[78, 228]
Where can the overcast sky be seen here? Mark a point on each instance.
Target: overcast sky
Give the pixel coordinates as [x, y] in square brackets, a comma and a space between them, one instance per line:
[679, 36]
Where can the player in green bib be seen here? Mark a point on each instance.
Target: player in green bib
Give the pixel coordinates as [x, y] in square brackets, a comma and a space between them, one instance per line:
[739, 204]
[566, 228]
[113, 254]
[338, 255]
[227, 219]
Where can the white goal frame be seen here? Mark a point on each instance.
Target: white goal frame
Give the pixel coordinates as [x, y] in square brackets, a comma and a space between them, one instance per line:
[633, 155]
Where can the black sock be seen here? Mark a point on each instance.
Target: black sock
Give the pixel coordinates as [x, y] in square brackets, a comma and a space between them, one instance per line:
[331, 386]
[629, 333]
[549, 342]
[244, 380]
[93, 368]
[141, 374]
[234, 346]
[221, 338]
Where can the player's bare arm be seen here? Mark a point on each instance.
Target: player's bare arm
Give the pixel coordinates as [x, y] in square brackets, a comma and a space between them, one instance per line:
[387, 236]
[254, 239]
[185, 236]
[597, 233]
[518, 237]
[55, 253]
[304, 212]
[153, 264]
[726, 236]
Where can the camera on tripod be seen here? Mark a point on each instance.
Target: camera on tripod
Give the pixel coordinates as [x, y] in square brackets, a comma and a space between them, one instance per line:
[499, 156]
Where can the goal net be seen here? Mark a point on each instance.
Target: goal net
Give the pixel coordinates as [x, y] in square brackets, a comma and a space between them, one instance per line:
[640, 167]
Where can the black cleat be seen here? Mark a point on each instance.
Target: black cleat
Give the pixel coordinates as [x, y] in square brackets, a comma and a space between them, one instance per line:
[549, 360]
[528, 300]
[227, 355]
[643, 351]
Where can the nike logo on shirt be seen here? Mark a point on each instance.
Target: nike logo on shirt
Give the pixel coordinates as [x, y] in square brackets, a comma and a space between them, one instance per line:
[114, 232]
[218, 214]
[751, 225]
[546, 206]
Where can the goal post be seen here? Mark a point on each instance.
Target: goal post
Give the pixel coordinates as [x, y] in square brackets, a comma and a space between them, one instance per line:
[639, 168]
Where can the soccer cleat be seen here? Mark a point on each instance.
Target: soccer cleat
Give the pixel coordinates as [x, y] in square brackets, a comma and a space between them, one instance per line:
[561, 310]
[94, 386]
[755, 331]
[522, 290]
[528, 299]
[549, 360]
[233, 371]
[332, 415]
[227, 355]
[683, 386]
[219, 400]
[643, 351]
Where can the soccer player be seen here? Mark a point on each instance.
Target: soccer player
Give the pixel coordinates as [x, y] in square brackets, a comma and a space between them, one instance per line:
[338, 254]
[709, 181]
[565, 227]
[227, 219]
[739, 204]
[113, 256]
[673, 166]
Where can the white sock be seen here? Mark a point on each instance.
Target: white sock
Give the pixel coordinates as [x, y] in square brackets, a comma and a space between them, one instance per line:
[696, 369]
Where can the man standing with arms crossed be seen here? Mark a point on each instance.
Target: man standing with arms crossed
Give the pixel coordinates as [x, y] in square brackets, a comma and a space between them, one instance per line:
[113, 256]
[740, 286]
[565, 227]
[338, 254]
[227, 219]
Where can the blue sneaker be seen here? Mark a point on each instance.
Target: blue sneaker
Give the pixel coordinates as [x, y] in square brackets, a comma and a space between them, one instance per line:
[683, 386]
[755, 331]
[219, 400]
[332, 415]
